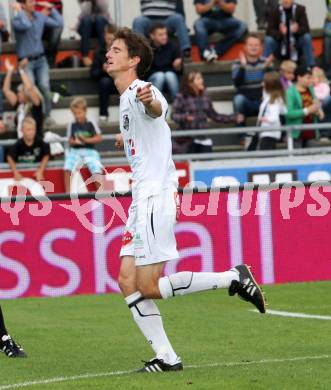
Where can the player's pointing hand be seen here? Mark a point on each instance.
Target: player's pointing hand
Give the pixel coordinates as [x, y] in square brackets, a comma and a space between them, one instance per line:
[145, 94]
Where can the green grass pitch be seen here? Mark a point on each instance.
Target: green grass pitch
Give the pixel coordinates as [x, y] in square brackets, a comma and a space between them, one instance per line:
[223, 343]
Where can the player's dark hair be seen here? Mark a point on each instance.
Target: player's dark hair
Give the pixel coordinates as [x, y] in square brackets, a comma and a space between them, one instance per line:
[137, 46]
[157, 26]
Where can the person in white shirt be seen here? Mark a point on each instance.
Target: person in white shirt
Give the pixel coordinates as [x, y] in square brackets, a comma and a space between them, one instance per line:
[272, 108]
[149, 238]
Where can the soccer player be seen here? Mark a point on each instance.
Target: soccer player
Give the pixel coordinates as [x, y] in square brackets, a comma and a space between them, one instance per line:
[149, 238]
[7, 344]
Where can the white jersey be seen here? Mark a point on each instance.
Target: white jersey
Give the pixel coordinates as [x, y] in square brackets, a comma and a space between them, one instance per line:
[147, 144]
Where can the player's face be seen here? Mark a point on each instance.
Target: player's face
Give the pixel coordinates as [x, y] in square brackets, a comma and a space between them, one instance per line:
[29, 132]
[118, 59]
[160, 37]
[253, 47]
[79, 114]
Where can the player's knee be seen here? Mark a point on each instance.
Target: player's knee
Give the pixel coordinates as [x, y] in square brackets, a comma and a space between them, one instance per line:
[148, 288]
[126, 284]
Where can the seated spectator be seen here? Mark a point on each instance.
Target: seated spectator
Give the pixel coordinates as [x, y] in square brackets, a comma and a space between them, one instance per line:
[83, 135]
[29, 26]
[322, 92]
[288, 33]
[98, 72]
[27, 100]
[327, 39]
[217, 16]
[163, 11]
[272, 109]
[191, 110]
[303, 107]
[247, 77]
[4, 34]
[92, 21]
[262, 9]
[52, 35]
[29, 149]
[287, 73]
[167, 62]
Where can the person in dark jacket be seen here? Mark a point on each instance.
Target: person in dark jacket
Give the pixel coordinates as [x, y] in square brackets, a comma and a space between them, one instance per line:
[288, 33]
[167, 62]
[98, 72]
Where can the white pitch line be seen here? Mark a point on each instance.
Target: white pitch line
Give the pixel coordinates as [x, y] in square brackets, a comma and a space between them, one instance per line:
[296, 315]
[192, 366]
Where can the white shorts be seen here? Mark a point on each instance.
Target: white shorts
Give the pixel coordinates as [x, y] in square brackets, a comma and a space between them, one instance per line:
[149, 233]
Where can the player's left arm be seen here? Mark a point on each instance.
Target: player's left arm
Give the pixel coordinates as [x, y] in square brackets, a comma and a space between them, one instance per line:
[146, 96]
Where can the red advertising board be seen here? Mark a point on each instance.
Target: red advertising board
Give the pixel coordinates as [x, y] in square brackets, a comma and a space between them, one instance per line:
[65, 247]
[118, 178]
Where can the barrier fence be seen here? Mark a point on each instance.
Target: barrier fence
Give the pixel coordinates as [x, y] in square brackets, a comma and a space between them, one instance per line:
[71, 246]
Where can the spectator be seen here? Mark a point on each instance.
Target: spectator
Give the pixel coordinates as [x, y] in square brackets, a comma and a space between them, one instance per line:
[217, 16]
[51, 35]
[322, 92]
[92, 22]
[287, 73]
[83, 135]
[288, 33]
[29, 149]
[191, 110]
[29, 26]
[167, 62]
[98, 72]
[272, 108]
[327, 39]
[4, 35]
[262, 9]
[303, 107]
[27, 100]
[163, 11]
[247, 77]
[180, 8]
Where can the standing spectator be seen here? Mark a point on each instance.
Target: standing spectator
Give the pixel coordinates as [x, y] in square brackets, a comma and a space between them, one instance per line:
[27, 100]
[247, 77]
[288, 33]
[272, 108]
[29, 26]
[327, 39]
[287, 73]
[262, 9]
[51, 35]
[163, 11]
[303, 107]
[191, 110]
[83, 135]
[98, 72]
[217, 16]
[92, 21]
[167, 61]
[29, 149]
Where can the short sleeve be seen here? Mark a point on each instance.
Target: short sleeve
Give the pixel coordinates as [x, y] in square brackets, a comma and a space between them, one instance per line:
[159, 96]
[96, 127]
[45, 149]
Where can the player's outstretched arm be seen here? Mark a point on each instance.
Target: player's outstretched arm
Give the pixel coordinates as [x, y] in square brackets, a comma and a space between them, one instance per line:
[152, 106]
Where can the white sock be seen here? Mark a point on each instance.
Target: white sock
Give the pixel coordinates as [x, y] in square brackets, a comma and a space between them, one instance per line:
[183, 283]
[149, 320]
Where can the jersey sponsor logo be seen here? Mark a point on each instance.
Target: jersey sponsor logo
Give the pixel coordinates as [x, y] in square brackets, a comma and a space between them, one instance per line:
[126, 122]
[131, 148]
[127, 238]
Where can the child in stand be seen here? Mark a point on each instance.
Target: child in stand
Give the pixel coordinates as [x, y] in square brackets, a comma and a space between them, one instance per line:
[83, 135]
[322, 93]
[287, 73]
[272, 108]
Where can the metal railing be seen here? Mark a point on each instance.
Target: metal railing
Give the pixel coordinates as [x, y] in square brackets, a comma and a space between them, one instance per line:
[289, 151]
